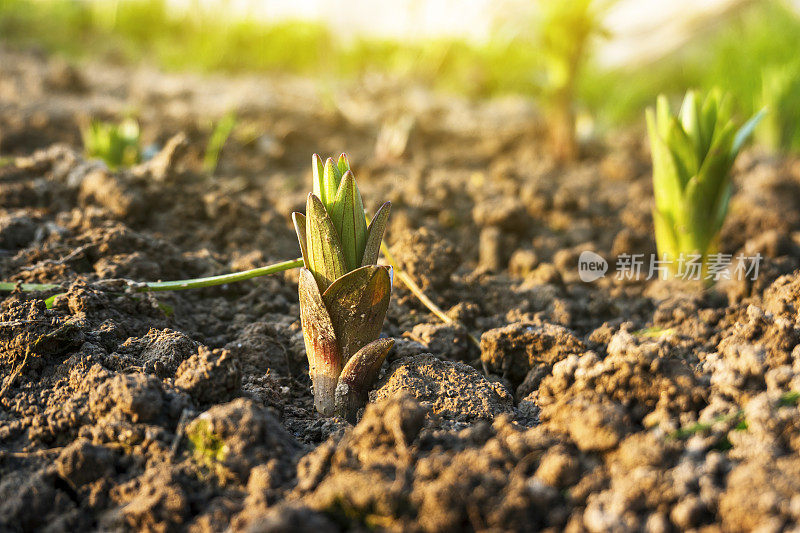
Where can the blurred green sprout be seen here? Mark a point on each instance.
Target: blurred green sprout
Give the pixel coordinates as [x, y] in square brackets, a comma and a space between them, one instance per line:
[693, 153]
[117, 144]
[566, 30]
[207, 445]
[780, 93]
[219, 136]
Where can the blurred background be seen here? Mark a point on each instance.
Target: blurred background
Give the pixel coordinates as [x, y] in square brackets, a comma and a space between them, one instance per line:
[605, 60]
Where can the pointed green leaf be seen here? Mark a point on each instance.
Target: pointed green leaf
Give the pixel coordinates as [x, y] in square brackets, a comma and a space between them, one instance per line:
[663, 115]
[358, 376]
[690, 117]
[318, 170]
[745, 131]
[325, 259]
[299, 220]
[715, 170]
[724, 108]
[348, 219]
[695, 230]
[375, 234]
[322, 349]
[684, 149]
[721, 209]
[710, 123]
[343, 164]
[330, 183]
[357, 304]
[666, 240]
[667, 183]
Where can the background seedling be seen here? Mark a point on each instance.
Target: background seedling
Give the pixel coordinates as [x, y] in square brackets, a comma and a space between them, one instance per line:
[565, 34]
[217, 140]
[116, 144]
[693, 153]
[780, 94]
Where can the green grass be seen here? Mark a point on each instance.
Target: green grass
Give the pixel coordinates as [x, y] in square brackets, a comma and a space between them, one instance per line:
[789, 399]
[731, 56]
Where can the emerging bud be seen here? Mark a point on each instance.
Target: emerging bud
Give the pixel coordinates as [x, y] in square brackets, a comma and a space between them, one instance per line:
[343, 293]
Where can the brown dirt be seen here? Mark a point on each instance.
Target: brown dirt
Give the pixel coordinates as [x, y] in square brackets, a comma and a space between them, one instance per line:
[192, 411]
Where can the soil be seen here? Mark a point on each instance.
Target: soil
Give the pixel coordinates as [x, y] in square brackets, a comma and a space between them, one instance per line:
[615, 405]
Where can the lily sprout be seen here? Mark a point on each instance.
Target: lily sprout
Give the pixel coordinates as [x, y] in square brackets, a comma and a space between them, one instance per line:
[344, 294]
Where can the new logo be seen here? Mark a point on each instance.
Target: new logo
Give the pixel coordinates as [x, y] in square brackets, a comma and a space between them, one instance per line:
[591, 266]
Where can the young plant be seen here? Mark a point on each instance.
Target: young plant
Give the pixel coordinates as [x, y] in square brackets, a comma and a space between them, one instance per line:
[217, 140]
[693, 153]
[116, 144]
[780, 93]
[565, 33]
[343, 293]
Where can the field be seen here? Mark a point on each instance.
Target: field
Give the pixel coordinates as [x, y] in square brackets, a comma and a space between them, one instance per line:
[612, 405]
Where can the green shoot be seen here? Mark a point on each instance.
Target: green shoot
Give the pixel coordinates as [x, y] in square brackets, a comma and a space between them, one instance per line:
[223, 279]
[217, 140]
[565, 34]
[116, 144]
[693, 153]
[780, 93]
[344, 294]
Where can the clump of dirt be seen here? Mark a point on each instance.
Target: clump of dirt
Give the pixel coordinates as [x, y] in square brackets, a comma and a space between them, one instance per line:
[160, 351]
[32, 333]
[453, 391]
[390, 469]
[775, 506]
[240, 435]
[209, 376]
[427, 258]
[516, 350]
[601, 401]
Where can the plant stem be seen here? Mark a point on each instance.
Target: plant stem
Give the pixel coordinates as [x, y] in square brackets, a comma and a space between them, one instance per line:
[181, 284]
[417, 291]
[197, 283]
[7, 286]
